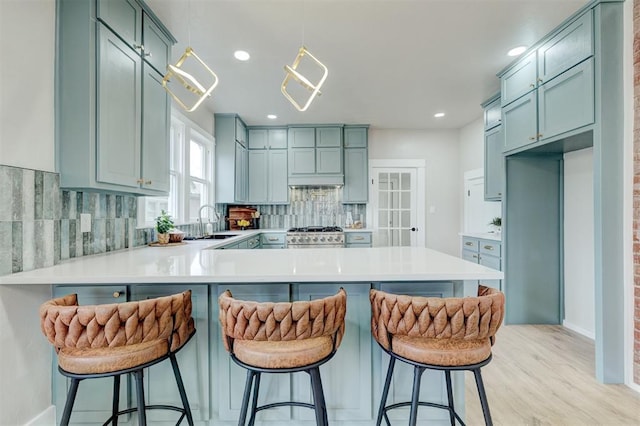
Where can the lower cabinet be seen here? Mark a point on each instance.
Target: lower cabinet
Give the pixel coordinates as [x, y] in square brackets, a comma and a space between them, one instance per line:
[273, 240]
[357, 239]
[484, 252]
[93, 401]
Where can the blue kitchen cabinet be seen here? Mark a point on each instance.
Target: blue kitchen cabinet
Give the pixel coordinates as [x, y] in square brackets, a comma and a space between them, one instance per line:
[301, 137]
[356, 165]
[493, 164]
[193, 359]
[492, 112]
[302, 161]
[315, 155]
[520, 79]
[111, 120]
[520, 122]
[232, 159]
[347, 378]
[329, 137]
[273, 240]
[156, 49]
[329, 161]
[267, 168]
[93, 401]
[484, 252]
[357, 239]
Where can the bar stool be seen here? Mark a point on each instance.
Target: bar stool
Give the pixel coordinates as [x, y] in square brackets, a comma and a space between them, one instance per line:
[110, 340]
[282, 338]
[446, 334]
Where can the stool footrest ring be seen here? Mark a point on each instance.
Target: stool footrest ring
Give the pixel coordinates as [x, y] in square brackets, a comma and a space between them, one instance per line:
[148, 407]
[422, 404]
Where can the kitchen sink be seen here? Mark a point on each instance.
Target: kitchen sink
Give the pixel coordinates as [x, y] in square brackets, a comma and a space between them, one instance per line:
[212, 237]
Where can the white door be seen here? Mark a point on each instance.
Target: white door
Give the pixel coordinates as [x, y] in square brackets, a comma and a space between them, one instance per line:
[395, 206]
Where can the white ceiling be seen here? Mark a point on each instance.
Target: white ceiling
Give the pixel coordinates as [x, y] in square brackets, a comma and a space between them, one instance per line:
[392, 63]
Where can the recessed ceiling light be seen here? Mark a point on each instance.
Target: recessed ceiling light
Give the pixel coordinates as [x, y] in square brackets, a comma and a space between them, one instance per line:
[438, 114]
[517, 51]
[241, 55]
[272, 116]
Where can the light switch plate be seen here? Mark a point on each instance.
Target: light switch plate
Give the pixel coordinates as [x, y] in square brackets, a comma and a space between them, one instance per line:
[85, 222]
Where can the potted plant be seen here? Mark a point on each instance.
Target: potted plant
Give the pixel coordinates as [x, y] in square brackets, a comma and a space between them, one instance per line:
[496, 222]
[164, 224]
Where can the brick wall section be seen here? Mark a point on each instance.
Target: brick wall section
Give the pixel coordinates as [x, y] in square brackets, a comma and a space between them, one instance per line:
[636, 189]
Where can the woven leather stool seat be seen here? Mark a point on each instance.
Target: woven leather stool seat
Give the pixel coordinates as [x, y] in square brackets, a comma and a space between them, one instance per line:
[282, 338]
[447, 334]
[110, 340]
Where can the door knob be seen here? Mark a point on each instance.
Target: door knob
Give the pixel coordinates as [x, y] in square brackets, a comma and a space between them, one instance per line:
[414, 229]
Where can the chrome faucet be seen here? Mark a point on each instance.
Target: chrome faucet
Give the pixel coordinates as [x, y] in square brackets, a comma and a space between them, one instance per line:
[216, 216]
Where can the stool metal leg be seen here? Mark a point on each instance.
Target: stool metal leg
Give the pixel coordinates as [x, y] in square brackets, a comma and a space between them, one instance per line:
[142, 414]
[115, 405]
[183, 393]
[254, 402]
[415, 395]
[68, 406]
[483, 397]
[385, 391]
[452, 417]
[245, 398]
[318, 397]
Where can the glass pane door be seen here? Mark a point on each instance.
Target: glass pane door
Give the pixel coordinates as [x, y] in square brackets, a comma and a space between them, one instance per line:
[395, 207]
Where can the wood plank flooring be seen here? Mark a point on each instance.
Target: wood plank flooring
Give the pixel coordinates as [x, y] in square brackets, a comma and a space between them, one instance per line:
[545, 375]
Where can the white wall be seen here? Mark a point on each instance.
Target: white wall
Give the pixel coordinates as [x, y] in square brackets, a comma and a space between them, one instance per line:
[579, 284]
[443, 177]
[27, 46]
[472, 146]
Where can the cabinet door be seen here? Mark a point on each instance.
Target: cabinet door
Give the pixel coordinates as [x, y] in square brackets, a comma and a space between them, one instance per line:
[124, 17]
[119, 111]
[356, 176]
[257, 138]
[157, 47]
[329, 160]
[156, 118]
[329, 137]
[569, 47]
[302, 161]
[355, 137]
[493, 164]
[93, 401]
[492, 115]
[520, 122]
[358, 239]
[193, 358]
[301, 137]
[494, 263]
[346, 379]
[258, 175]
[519, 80]
[241, 172]
[567, 102]
[228, 386]
[241, 132]
[277, 138]
[278, 176]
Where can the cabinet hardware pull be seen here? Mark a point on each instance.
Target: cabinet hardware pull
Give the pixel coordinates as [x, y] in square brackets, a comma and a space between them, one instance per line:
[499, 193]
[532, 138]
[148, 55]
[468, 243]
[539, 135]
[540, 80]
[358, 238]
[488, 247]
[475, 256]
[273, 239]
[532, 85]
[140, 181]
[138, 46]
[116, 294]
[147, 182]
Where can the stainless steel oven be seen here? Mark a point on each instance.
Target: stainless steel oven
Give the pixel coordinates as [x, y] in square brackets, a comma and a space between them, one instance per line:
[315, 237]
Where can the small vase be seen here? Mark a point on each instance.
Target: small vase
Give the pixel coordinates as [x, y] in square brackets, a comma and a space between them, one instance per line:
[163, 238]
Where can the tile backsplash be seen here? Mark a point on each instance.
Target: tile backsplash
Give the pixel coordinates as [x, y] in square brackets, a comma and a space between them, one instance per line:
[40, 222]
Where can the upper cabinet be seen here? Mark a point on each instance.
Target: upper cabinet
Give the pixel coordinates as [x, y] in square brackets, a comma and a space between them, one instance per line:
[356, 165]
[315, 155]
[113, 114]
[550, 91]
[493, 158]
[268, 166]
[232, 159]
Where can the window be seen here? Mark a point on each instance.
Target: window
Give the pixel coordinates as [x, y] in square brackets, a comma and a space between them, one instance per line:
[191, 175]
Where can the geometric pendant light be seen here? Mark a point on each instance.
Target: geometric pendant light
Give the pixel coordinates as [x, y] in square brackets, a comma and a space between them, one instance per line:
[189, 82]
[292, 73]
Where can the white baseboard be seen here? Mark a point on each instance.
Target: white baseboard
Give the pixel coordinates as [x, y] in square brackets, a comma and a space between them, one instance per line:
[586, 333]
[46, 418]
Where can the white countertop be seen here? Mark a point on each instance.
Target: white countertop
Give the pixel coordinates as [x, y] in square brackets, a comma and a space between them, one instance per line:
[494, 236]
[195, 261]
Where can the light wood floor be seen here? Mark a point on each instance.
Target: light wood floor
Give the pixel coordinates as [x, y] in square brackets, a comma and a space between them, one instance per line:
[544, 375]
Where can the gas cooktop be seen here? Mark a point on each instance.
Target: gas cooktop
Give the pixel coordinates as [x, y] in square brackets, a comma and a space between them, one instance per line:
[316, 229]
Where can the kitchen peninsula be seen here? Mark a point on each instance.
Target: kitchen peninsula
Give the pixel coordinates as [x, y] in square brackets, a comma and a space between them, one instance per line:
[352, 380]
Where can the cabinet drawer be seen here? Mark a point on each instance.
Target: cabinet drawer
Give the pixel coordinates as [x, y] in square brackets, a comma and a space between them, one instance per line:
[358, 237]
[490, 262]
[490, 247]
[568, 48]
[253, 242]
[267, 239]
[470, 243]
[470, 255]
